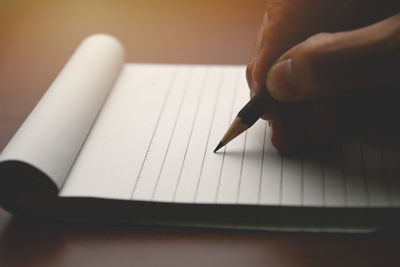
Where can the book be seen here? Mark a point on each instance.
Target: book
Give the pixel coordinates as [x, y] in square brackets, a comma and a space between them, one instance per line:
[133, 143]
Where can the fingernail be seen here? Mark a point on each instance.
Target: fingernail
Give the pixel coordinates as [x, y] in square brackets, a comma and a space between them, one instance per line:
[280, 81]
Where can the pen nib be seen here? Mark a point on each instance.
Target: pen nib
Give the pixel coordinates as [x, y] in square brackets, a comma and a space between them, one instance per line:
[218, 146]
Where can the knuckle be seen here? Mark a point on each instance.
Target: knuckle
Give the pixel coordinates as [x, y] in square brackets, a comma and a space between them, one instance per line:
[315, 48]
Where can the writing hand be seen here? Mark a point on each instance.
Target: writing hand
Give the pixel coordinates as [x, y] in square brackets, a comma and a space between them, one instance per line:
[318, 76]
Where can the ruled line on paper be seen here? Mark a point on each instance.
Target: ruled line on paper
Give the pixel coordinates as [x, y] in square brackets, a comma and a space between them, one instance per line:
[302, 182]
[387, 180]
[148, 177]
[262, 164]
[172, 133]
[241, 168]
[292, 187]
[155, 129]
[199, 143]
[185, 111]
[391, 155]
[229, 121]
[346, 198]
[196, 164]
[167, 177]
[323, 182]
[229, 180]
[208, 136]
[363, 172]
[190, 135]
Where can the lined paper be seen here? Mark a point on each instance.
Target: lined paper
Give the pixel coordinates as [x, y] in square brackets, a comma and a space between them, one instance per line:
[153, 141]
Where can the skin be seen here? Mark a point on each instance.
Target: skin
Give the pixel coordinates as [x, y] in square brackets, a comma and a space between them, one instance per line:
[344, 60]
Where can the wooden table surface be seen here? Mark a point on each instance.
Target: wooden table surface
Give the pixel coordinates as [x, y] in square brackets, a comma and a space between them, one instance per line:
[36, 39]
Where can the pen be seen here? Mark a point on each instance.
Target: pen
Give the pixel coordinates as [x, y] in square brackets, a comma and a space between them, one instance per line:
[248, 115]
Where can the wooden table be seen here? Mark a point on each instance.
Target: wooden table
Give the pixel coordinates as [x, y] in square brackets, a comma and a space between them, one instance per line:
[36, 39]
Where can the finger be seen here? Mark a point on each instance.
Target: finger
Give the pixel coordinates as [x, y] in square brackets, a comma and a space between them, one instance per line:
[288, 128]
[273, 112]
[286, 23]
[380, 111]
[301, 128]
[285, 111]
[287, 136]
[321, 124]
[329, 64]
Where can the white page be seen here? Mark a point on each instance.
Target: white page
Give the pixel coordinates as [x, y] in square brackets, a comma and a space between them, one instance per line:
[334, 191]
[154, 137]
[149, 174]
[355, 183]
[199, 138]
[271, 178]
[313, 181]
[110, 161]
[170, 172]
[391, 157]
[249, 187]
[52, 135]
[209, 179]
[376, 179]
[231, 170]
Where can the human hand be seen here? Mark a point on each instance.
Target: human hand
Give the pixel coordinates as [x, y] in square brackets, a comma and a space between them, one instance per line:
[320, 77]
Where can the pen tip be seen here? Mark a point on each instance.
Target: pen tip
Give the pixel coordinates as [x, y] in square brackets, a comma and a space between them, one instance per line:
[220, 144]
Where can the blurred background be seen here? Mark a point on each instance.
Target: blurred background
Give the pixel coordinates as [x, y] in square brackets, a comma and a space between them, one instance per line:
[38, 36]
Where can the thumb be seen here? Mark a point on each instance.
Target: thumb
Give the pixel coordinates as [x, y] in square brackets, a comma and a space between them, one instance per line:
[328, 64]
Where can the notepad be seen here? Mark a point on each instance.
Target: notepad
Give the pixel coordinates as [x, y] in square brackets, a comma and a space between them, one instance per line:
[166, 154]
[144, 134]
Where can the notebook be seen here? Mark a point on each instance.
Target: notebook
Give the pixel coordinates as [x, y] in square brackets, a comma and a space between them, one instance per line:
[134, 142]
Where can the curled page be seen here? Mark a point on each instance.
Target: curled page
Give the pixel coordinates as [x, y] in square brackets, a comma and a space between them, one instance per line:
[53, 134]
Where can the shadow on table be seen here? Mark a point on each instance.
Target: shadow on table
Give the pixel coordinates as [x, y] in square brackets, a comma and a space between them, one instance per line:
[28, 242]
